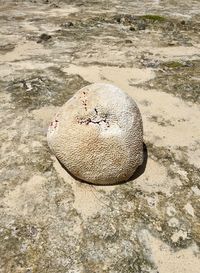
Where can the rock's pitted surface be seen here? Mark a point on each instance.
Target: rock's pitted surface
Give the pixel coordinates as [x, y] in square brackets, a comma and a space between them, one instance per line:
[97, 135]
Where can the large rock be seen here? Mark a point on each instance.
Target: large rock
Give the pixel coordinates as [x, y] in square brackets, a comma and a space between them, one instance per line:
[97, 135]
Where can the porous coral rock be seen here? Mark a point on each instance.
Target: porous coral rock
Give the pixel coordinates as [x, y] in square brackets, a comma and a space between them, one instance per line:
[97, 135]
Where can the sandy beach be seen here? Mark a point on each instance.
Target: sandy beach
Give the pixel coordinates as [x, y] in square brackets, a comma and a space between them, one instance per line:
[53, 223]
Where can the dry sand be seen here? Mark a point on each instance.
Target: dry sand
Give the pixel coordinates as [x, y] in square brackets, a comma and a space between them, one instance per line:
[50, 222]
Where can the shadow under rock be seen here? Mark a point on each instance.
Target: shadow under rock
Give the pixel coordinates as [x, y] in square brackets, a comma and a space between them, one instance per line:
[139, 171]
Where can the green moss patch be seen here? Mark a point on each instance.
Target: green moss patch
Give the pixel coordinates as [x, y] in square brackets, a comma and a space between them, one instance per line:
[154, 17]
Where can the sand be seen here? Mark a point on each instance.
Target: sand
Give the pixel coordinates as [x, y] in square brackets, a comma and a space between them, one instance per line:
[51, 222]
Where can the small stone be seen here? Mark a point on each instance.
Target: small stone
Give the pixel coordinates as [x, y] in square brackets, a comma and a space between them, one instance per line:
[118, 19]
[44, 37]
[172, 43]
[128, 41]
[54, 6]
[68, 24]
[97, 135]
[132, 28]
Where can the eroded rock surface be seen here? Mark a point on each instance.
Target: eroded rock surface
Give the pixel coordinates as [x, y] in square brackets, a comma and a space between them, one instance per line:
[49, 221]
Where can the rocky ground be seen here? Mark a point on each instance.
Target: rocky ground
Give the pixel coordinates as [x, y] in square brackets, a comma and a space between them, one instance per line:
[51, 223]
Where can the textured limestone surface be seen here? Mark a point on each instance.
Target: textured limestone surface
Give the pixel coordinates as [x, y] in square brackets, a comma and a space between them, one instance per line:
[49, 221]
[98, 135]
